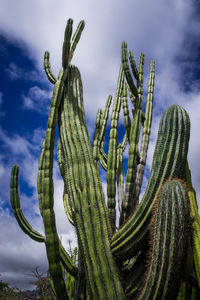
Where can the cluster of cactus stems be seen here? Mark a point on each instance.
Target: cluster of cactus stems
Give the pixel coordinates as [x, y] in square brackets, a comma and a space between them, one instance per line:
[155, 252]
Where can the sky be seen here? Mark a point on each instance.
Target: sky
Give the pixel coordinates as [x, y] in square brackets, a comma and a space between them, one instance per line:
[166, 31]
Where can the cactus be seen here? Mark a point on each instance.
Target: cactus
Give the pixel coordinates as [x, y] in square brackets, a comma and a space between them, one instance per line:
[155, 252]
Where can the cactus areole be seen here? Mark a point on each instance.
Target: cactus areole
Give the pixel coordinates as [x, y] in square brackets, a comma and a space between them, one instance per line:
[154, 254]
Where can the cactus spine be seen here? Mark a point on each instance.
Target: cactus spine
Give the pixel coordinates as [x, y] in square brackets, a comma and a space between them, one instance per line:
[145, 257]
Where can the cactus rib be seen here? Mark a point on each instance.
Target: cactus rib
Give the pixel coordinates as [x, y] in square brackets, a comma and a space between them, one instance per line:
[46, 190]
[112, 153]
[127, 70]
[26, 227]
[96, 146]
[145, 133]
[169, 240]
[168, 162]
[196, 223]
[47, 68]
[76, 38]
[15, 203]
[90, 214]
[66, 44]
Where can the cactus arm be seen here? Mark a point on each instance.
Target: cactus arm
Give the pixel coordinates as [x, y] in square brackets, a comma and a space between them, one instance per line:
[127, 205]
[46, 185]
[168, 162]
[67, 207]
[127, 121]
[60, 158]
[76, 38]
[66, 202]
[67, 262]
[66, 44]
[120, 178]
[122, 145]
[22, 221]
[196, 223]
[70, 280]
[145, 133]
[103, 159]
[127, 70]
[96, 141]
[140, 81]
[15, 203]
[104, 120]
[133, 65]
[103, 155]
[47, 68]
[90, 213]
[169, 239]
[112, 153]
[132, 97]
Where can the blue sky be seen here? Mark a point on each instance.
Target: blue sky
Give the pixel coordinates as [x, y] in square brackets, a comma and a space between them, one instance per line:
[166, 31]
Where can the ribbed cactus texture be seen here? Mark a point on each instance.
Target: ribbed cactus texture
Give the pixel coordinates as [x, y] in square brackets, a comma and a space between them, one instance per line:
[155, 253]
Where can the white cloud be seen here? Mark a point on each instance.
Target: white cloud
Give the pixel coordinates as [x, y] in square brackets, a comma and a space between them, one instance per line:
[18, 253]
[37, 99]
[159, 35]
[1, 101]
[15, 72]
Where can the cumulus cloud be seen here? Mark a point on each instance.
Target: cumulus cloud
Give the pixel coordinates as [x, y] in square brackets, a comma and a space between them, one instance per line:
[18, 253]
[15, 73]
[160, 36]
[1, 101]
[37, 99]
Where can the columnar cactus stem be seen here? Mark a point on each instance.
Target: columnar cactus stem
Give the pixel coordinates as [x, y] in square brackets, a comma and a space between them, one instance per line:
[104, 120]
[66, 44]
[90, 214]
[76, 38]
[103, 156]
[196, 223]
[26, 227]
[127, 71]
[128, 203]
[70, 281]
[15, 202]
[96, 142]
[66, 202]
[133, 65]
[120, 178]
[168, 161]
[145, 134]
[46, 183]
[169, 239]
[60, 158]
[127, 120]
[112, 154]
[47, 68]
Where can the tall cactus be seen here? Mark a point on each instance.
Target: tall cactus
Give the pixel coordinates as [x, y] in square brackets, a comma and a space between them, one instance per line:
[146, 257]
